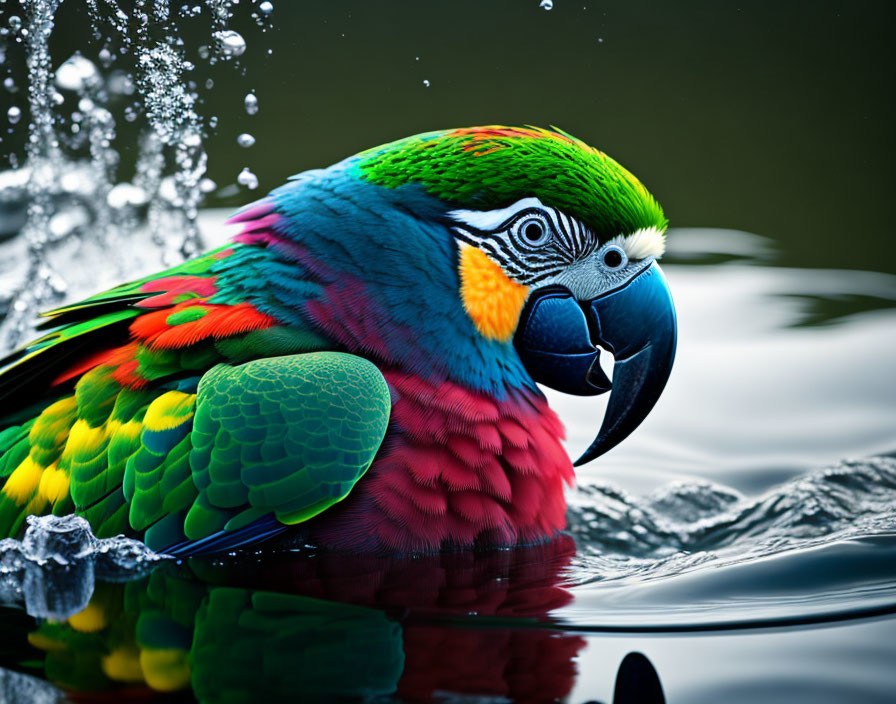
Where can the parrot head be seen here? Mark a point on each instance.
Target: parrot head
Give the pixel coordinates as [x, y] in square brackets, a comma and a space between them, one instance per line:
[522, 249]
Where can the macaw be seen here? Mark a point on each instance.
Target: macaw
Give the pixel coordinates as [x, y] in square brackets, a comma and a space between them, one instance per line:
[358, 369]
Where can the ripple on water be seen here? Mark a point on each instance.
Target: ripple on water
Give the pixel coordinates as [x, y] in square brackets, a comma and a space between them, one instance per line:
[818, 547]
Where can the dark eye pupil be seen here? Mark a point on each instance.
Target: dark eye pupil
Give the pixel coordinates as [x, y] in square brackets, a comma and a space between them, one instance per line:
[612, 258]
[533, 231]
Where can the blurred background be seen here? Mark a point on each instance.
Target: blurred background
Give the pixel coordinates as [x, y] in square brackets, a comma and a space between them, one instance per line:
[774, 118]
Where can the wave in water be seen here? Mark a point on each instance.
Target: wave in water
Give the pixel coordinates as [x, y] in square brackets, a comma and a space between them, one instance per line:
[690, 524]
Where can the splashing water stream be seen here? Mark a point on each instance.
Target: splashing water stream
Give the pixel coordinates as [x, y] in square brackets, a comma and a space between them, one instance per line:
[71, 183]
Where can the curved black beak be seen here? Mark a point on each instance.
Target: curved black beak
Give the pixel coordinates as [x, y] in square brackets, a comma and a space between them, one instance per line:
[557, 340]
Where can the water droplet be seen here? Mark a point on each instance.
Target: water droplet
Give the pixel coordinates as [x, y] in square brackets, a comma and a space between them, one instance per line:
[546, 4]
[15, 22]
[426, 83]
[126, 194]
[213, 121]
[130, 114]
[77, 73]
[192, 139]
[120, 83]
[203, 52]
[10, 84]
[266, 8]
[245, 140]
[247, 179]
[231, 44]
[251, 103]
[106, 57]
[206, 185]
[209, 84]
[14, 114]
[168, 189]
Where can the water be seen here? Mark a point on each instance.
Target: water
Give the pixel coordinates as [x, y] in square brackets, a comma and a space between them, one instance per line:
[742, 541]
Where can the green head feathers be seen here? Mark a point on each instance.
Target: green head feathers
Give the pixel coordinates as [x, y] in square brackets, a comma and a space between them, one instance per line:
[491, 167]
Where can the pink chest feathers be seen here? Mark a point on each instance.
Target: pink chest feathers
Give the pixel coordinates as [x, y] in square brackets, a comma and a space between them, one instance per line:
[458, 468]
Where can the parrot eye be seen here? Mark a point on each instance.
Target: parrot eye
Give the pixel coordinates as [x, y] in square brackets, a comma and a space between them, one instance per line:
[613, 257]
[532, 230]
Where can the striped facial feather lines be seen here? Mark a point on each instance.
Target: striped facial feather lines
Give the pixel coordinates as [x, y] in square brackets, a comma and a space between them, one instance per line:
[530, 241]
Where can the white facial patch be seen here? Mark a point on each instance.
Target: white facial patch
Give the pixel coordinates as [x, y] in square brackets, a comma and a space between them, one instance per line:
[488, 220]
[643, 243]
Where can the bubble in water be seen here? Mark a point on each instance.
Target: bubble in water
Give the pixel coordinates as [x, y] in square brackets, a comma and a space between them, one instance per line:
[14, 114]
[247, 179]
[106, 57]
[77, 73]
[231, 44]
[251, 103]
[15, 22]
[426, 83]
[546, 4]
[245, 140]
[265, 8]
[206, 185]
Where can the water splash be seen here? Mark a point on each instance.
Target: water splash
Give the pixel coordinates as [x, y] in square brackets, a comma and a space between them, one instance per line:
[143, 74]
[53, 569]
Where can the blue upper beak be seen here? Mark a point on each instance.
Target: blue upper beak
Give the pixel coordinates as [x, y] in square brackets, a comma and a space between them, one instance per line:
[558, 337]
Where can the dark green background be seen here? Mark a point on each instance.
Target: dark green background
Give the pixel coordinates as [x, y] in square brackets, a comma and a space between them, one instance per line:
[775, 118]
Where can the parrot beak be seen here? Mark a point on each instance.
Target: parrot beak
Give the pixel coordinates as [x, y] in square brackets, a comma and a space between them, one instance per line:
[558, 337]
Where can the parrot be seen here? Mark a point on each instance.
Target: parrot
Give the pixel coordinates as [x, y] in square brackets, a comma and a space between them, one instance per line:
[358, 368]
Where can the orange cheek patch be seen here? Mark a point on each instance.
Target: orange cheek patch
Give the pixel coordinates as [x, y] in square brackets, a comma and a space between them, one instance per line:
[492, 300]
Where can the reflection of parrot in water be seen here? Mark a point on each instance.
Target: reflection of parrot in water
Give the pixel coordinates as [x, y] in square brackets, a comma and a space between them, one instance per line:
[359, 366]
[337, 636]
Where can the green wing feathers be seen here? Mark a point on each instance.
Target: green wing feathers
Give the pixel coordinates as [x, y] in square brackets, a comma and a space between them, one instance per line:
[288, 436]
